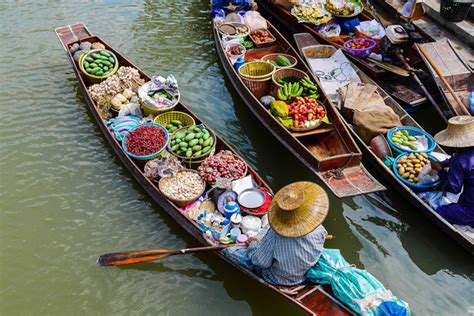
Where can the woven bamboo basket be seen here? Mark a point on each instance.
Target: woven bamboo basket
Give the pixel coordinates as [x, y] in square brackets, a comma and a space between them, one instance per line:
[274, 57]
[256, 70]
[165, 118]
[286, 72]
[245, 170]
[180, 203]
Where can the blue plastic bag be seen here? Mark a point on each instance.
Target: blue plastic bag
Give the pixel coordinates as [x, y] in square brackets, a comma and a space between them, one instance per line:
[358, 289]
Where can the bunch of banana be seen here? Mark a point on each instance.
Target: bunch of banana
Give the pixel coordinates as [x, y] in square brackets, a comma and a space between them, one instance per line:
[309, 88]
[290, 90]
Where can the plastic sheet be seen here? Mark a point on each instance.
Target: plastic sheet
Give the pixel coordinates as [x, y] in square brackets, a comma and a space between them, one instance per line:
[255, 21]
[361, 291]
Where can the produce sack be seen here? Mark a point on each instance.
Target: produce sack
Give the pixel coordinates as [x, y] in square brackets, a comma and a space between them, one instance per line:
[360, 290]
[255, 21]
[371, 123]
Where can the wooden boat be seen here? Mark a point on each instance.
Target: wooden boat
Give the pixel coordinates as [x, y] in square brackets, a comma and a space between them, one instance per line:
[313, 299]
[306, 43]
[328, 150]
[454, 70]
[402, 88]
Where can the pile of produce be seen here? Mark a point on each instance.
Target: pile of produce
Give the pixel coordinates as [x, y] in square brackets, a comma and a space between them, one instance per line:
[241, 30]
[160, 92]
[235, 50]
[122, 98]
[312, 14]
[409, 166]
[281, 61]
[262, 36]
[192, 141]
[104, 92]
[404, 138]
[247, 44]
[174, 125]
[343, 7]
[222, 165]
[78, 49]
[302, 87]
[359, 43]
[99, 63]
[185, 185]
[145, 140]
[306, 112]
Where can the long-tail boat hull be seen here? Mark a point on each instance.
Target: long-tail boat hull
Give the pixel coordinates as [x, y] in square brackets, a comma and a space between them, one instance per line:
[330, 152]
[305, 41]
[313, 299]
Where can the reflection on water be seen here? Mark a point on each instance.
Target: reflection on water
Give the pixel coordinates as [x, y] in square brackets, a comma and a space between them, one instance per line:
[66, 199]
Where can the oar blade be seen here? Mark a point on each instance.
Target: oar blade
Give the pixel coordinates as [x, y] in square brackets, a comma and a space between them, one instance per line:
[125, 258]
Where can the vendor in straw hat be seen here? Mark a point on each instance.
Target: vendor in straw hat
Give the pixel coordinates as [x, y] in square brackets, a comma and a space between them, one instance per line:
[460, 175]
[295, 239]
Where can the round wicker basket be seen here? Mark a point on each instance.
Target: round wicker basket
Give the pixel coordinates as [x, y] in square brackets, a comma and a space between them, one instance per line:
[286, 72]
[193, 162]
[256, 70]
[180, 202]
[165, 118]
[274, 57]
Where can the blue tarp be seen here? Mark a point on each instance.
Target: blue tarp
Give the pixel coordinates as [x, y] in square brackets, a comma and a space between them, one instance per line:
[358, 289]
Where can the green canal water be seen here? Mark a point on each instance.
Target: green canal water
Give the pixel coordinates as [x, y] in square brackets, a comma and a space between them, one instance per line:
[65, 198]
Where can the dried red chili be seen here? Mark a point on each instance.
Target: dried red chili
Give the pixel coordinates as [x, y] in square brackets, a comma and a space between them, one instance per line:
[145, 140]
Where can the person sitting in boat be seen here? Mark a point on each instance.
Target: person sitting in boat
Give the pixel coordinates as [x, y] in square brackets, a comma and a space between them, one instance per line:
[234, 5]
[295, 237]
[460, 176]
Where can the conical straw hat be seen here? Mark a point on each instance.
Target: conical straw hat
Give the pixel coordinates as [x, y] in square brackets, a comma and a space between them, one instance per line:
[298, 208]
[458, 134]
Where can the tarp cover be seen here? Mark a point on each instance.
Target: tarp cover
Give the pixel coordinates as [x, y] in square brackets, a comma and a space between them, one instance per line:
[358, 289]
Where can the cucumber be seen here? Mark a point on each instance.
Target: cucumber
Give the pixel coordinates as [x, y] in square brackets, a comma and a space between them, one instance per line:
[197, 148]
[189, 137]
[112, 60]
[107, 63]
[104, 53]
[178, 140]
[197, 153]
[89, 70]
[191, 128]
[206, 136]
[183, 145]
[95, 55]
[89, 59]
[99, 73]
[95, 70]
[93, 65]
[193, 142]
[174, 148]
[180, 135]
[207, 142]
[201, 141]
[169, 126]
[189, 153]
[104, 58]
[85, 64]
[206, 149]
[176, 122]
[212, 141]
[105, 68]
[205, 131]
[197, 129]
[198, 135]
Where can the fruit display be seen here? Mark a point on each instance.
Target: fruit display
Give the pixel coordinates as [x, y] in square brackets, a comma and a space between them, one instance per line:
[279, 109]
[313, 14]
[343, 7]
[403, 138]
[236, 50]
[359, 43]
[222, 165]
[281, 61]
[306, 112]
[409, 166]
[294, 87]
[146, 140]
[173, 125]
[99, 62]
[262, 36]
[192, 141]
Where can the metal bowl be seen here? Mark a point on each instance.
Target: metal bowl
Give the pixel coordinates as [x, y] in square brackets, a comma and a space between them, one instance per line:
[251, 198]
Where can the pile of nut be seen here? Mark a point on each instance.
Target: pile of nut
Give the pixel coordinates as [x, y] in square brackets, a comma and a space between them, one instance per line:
[185, 185]
[409, 166]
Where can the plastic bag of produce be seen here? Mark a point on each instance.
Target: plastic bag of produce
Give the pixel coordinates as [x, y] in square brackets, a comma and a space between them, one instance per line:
[360, 290]
[371, 28]
[255, 21]
[131, 108]
[159, 93]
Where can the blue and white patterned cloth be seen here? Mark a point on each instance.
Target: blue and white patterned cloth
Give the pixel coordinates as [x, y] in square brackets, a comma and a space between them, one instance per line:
[280, 260]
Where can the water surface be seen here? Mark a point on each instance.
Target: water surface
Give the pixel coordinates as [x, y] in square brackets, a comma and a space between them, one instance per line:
[65, 198]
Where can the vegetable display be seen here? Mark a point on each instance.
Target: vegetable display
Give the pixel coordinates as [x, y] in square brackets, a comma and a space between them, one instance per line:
[312, 14]
[173, 125]
[291, 89]
[185, 185]
[99, 63]
[409, 166]
[359, 43]
[145, 140]
[405, 139]
[224, 165]
[343, 7]
[193, 141]
[281, 61]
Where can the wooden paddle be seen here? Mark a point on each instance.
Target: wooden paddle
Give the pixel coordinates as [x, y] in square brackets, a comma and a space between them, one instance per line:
[139, 256]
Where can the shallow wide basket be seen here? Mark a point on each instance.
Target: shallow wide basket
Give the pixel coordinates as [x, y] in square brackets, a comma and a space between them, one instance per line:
[257, 77]
[193, 162]
[246, 170]
[155, 111]
[286, 72]
[266, 44]
[415, 187]
[165, 118]
[274, 57]
[413, 131]
[150, 156]
[97, 79]
[235, 25]
[180, 203]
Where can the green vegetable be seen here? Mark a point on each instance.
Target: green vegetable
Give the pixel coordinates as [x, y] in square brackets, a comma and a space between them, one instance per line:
[89, 59]
[180, 135]
[104, 53]
[175, 148]
[99, 73]
[176, 122]
[189, 153]
[197, 153]
[193, 142]
[206, 149]
[183, 145]
[206, 143]
[189, 137]
[95, 70]
[197, 148]
[199, 134]
[283, 61]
